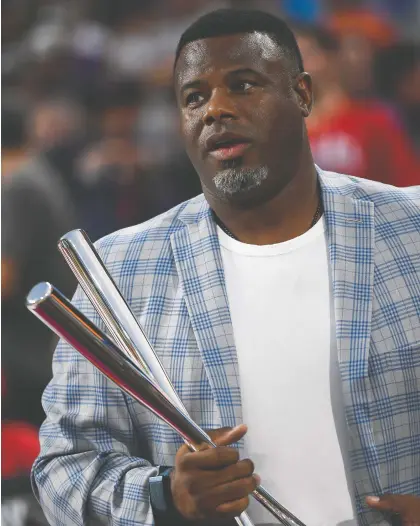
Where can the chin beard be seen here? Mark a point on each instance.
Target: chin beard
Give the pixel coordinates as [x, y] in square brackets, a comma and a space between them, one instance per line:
[237, 180]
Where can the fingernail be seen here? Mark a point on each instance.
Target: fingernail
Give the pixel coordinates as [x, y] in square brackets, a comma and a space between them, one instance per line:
[258, 479]
[237, 427]
[373, 499]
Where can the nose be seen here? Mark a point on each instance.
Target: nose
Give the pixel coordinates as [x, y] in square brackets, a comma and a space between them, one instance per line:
[219, 107]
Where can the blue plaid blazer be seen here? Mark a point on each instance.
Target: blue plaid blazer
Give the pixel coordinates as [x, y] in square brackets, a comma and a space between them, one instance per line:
[99, 447]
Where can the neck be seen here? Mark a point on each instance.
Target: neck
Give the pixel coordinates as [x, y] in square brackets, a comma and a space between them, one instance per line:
[287, 215]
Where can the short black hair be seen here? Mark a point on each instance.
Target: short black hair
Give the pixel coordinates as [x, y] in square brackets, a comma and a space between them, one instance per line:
[233, 21]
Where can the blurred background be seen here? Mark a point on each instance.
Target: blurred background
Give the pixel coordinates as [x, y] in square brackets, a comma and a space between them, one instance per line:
[89, 140]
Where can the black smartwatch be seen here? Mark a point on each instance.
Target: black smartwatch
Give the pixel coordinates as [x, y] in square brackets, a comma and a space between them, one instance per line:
[164, 510]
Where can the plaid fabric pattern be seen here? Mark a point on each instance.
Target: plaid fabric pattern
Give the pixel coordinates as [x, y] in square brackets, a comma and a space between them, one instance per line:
[99, 447]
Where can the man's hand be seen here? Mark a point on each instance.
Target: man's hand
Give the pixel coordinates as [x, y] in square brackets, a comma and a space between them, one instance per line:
[213, 483]
[407, 506]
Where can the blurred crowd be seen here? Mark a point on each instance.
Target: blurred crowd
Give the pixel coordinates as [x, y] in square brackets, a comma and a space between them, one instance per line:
[90, 140]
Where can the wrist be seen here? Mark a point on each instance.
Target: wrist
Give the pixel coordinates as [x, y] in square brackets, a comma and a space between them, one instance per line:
[161, 498]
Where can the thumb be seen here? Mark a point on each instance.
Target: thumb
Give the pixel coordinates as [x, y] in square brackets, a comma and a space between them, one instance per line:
[384, 503]
[228, 435]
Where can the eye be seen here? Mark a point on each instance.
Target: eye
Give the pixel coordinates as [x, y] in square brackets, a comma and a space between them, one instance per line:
[242, 85]
[193, 98]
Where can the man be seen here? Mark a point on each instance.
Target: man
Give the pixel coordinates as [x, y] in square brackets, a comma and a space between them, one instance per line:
[38, 206]
[358, 136]
[285, 298]
[398, 71]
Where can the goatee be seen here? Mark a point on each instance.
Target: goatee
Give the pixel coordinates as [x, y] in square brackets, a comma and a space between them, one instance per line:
[238, 179]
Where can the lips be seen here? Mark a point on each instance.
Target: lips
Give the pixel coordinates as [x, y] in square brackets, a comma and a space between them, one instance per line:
[227, 146]
[230, 152]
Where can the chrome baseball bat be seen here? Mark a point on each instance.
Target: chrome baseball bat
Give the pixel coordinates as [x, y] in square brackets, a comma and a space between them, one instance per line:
[96, 282]
[57, 313]
[102, 291]
[98, 285]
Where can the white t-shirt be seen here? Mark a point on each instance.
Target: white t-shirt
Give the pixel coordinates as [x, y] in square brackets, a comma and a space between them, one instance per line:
[284, 328]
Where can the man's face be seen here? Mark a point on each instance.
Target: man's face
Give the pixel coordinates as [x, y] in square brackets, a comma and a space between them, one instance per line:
[241, 114]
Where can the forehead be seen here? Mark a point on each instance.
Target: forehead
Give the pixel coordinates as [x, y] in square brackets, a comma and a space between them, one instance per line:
[251, 50]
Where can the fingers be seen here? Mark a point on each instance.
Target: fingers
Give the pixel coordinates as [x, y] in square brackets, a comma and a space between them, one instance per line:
[233, 509]
[241, 470]
[228, 436]
[228, 499]
[385, 503]
[224, 436]
[236, 490]
[408, 506]
[212, 482]
[214, 458]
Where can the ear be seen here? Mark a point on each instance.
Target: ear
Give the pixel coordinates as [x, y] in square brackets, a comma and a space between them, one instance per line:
[303, 89]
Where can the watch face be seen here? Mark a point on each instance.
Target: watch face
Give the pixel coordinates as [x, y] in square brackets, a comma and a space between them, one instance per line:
[167, 472]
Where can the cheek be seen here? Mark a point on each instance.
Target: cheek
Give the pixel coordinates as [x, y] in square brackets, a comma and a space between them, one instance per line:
[190, 129]
[189, 126]
[277, 117]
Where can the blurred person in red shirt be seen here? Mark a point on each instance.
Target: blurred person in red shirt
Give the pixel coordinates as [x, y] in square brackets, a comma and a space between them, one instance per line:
[19, 445]
[19, 448]
[348, 135]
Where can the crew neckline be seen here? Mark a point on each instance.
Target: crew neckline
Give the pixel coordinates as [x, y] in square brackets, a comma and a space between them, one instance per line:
[233, 245]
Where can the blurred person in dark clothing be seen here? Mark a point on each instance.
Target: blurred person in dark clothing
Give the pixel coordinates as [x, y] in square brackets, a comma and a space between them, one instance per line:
[358, 136]
[123, 180]
[118, 191]
[13, 146]
[38, 206]
[397, 73]
[117, 187]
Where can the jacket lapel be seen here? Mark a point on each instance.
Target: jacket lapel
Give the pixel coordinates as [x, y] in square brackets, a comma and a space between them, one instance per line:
[350, 231]
[199, 265]
[351, 238]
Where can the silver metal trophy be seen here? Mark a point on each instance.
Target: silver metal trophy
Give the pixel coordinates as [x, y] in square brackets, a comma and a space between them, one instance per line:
[126, 358]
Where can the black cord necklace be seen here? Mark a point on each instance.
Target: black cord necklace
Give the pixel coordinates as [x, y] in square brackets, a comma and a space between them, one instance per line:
[315, 219]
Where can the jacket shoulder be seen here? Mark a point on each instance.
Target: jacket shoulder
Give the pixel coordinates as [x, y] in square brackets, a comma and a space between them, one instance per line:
[392, 204]
[151, 238]
[386, 198]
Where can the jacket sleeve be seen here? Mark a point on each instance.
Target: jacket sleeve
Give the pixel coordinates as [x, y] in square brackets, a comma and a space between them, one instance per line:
[92, 467]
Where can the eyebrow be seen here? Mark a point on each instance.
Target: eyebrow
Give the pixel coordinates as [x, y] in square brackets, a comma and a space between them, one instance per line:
[189, 85]
[239, 71]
